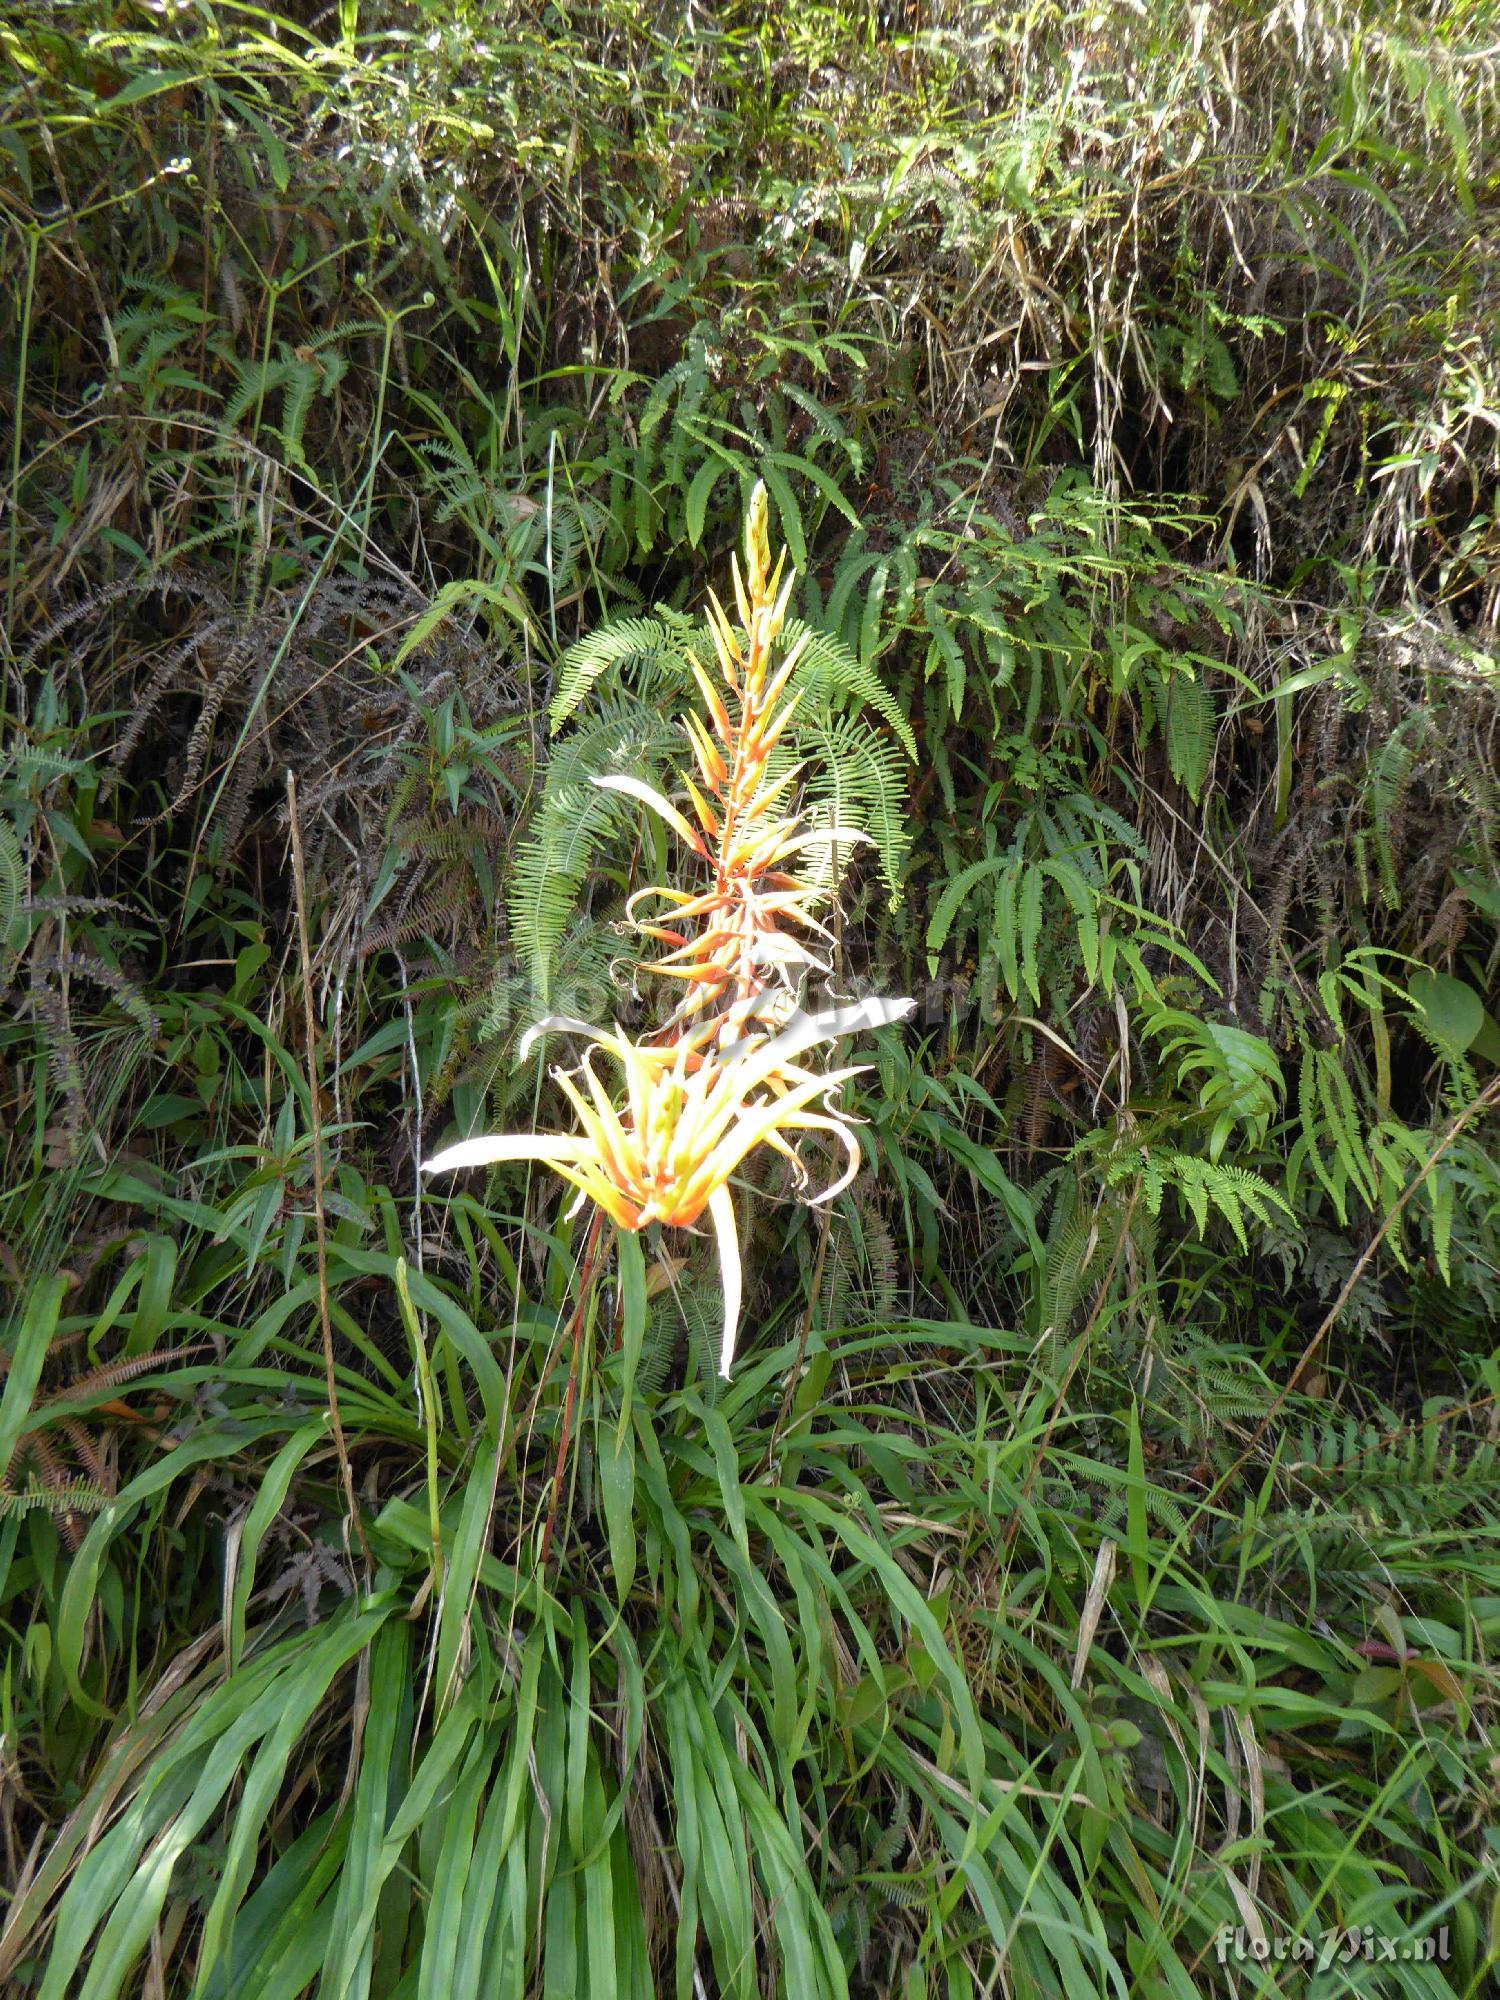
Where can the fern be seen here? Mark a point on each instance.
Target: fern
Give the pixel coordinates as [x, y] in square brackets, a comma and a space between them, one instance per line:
[33, 765]
[687, 1317]
[1186, 709]
[12, 882]
[859, 780]
[71, 1497]
[825, 422]
[1204, 1187]
[1386, 788]
[1385, 1481]
[345, 330]
[1238, 1077]
[86, 965]
[1203, 1387]
[572, 824]
[257, 380]
[687, 380]
[832, 676]
[859, 1274]
[1420, 1476]
[301, 379]
[1072, 1250]
[1118, 1485]
[1332, 1140]
[629, 646]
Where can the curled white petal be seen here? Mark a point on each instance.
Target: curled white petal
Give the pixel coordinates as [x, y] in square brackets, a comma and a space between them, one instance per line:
[851, 1145]
[553, 1024]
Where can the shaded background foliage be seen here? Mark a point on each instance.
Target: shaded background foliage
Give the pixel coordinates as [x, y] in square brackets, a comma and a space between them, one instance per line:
[1096, 1548]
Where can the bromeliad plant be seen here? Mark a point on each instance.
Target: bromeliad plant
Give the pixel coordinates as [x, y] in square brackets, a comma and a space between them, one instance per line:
[723, 1076]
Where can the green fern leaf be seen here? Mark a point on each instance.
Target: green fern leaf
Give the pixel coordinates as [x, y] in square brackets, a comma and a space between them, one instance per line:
[621, 648]
[828, 669]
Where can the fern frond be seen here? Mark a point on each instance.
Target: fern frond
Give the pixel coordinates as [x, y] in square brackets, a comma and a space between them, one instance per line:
[571, 824]
[114, 1374]
[74, 1497]
[12, 879]
[302, 379]
[625, 647]
[1190, 720]
[257, 381]
[86, 966]
[830, 674]
[1203, 1186]
[1069, 1254]
[860, 781]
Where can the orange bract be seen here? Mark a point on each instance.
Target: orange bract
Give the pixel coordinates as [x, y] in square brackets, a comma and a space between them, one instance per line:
[755, 919]
[726, 1079]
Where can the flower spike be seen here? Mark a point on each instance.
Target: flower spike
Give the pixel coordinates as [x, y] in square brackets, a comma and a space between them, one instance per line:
[726, 1074]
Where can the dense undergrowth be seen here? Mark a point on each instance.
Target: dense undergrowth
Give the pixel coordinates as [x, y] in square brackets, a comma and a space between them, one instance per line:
[1094, 1551]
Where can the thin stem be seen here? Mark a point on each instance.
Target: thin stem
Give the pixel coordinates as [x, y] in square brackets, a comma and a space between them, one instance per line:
[320, 1221]
[33, 245]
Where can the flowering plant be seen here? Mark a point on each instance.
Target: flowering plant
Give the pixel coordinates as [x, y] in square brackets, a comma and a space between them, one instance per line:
[724, 1075]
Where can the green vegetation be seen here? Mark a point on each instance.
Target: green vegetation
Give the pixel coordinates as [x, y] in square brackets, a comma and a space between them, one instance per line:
[1096, 1549]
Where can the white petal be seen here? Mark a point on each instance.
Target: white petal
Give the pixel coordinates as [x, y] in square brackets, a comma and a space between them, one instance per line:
[485, 1151]
[807, 1030]
[552, 1024]
[721, 1212]
[846, 836]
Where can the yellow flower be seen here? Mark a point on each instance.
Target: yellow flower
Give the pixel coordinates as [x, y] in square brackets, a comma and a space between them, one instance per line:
[691, 1116]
